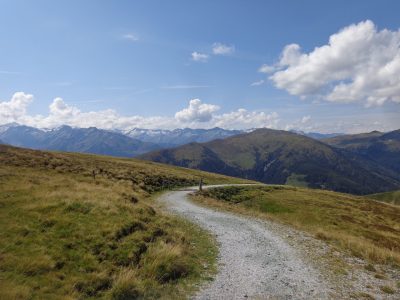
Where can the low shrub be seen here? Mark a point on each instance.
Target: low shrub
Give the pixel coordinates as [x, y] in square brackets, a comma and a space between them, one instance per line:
[126, 286]
[94, 285]
[166, 263]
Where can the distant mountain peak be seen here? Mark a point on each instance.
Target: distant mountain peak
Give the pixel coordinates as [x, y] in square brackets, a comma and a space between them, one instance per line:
[180, 136]
[6, 126]
[316, 135]
[67, 138]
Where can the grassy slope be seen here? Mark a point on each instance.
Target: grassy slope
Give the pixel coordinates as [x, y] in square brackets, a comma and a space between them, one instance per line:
[66, 235]
[367, 228]
[388, 197]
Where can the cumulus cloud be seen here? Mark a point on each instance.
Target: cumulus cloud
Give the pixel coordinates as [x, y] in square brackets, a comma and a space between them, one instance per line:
[243, 118]
[222, 49]
[15, 109]
[200, 57]
[266, 69]
[196, 115]
[360, 63]
[305, 119]
[196, 112]
[60, 109]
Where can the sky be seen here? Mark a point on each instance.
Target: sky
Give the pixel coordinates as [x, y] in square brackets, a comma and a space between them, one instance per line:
[307, 65]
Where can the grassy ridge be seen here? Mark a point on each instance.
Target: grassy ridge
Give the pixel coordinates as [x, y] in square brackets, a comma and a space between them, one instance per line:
[67, 235]
[388, 197]
[367, 228]
[281, 157]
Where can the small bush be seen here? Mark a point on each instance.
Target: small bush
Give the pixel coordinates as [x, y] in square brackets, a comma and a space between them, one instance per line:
[169, 270]
[370, 268]
[387, 289]
[380, 276]
[126, 286]
[134, 199]
[165, 263]
[321, 236]
[363, 295]
[47, 223]
[38, 266]
[94, 285]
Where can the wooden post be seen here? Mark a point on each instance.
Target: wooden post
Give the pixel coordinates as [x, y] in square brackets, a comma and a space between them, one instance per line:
[201, 185]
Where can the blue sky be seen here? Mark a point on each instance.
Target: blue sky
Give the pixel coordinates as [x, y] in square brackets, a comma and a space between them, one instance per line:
[88, 63]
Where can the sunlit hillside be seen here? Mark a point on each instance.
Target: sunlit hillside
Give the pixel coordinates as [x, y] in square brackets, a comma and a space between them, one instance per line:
[77, 226]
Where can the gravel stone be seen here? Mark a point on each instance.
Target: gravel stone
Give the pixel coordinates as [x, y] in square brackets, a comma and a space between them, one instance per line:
[254, 262]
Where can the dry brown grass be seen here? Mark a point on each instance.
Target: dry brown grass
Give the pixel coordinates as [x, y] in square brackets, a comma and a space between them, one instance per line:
[367, 228]
[66, 235]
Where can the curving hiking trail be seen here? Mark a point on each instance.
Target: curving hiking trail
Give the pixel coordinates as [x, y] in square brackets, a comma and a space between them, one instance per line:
[254, 262]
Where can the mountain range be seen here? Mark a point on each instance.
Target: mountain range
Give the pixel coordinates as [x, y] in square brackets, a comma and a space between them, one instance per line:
[382, 148]
[126, 143]
[362, 163]
[66, 138]
[98, 141]
[282, 157]
[177, 137]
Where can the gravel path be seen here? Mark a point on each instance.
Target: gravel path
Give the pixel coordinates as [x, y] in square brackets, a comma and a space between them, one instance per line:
[254, 261]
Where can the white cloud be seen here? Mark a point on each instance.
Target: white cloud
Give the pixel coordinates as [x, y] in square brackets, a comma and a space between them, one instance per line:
[15, 109]
[302, 124]
[222, 49]
[305, 119]
[350, 124]
[61, 110]
[359, 63]
[266, 69]
[130, 37]
[200, 57]
[243, 118]
[196, 115]
[217, 49]
[257, 83]
[196, 112]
